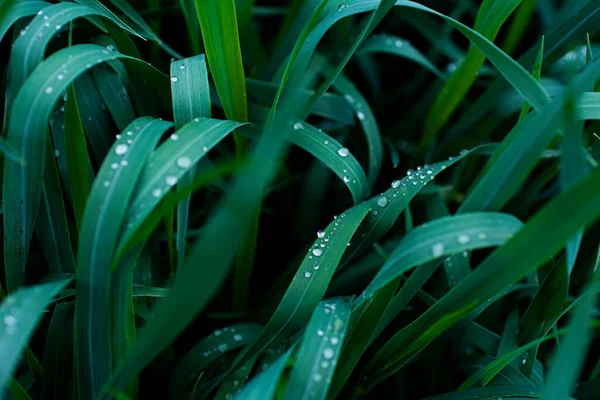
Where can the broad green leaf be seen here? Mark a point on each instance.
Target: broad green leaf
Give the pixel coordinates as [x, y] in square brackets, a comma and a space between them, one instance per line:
[515, 260]
[20, 313]
[27, 134]
[264, 385]
[105, 12]
[319, 350]
[443, 237]
[105, 211]
[12, 10]
[77, 156]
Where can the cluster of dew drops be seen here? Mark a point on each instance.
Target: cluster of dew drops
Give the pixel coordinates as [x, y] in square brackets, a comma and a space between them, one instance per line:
[11, 311]
[331, 339]
[175, 78]
[222, 347]
[46, 24]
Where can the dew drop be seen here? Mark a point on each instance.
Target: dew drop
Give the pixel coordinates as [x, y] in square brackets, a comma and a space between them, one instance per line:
[463, 239]
[398, 43]
[317, 377]
[60, 77]
[171, 180]
[124, 163]
[382, 201]
[114, 165]
[49, 90]
[182, 66]
[320, 332]
[341, 7]
[57, 27]
[317, 252]
[10, 320]
[23, 32]
[437, 249]
[218, 332]
[174, 137]
[106, 183]
[307, 274]
[321, 234]
[343, 152]
[174, 79]
[56, 153]
[324, 364]
[156, 192]
[184, 162]
[129, 133]
[237, 337]
[328, 353]
[361, 115]
[223, 347]
[396, 183]
[482, 235]
[334, 340]
[347, 178]
[298, 126]
[121, 149]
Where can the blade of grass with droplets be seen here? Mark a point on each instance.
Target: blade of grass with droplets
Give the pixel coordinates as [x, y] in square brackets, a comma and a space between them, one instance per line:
[58, 354]
[115, 95]
[13, 10]
[105, 12]
[191, 99]
[206, 351]
[319, 350]
[441, 238]
[389, 44]
[264, 386]
[94, 117]
[77, 156]
[51, 226]
[105, 211]
[334, 155]
[20, 313]
[167, 165]
[364, 114]
[27, 134]
[511, 262]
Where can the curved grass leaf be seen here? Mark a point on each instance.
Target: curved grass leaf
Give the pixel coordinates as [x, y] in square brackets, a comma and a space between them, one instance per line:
[104, 214]
[440, 238]
[511, 262]
[487, 393]
[209, 349]
[389, 44]
[27, 133]
[13, 10]
[114, 95]
[105, 12]
[334, 155]
[58, 354]
[319, 350]
[167, 165]
[20, 313]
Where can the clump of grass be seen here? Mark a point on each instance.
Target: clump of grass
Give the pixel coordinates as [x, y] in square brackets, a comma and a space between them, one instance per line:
[208, 199]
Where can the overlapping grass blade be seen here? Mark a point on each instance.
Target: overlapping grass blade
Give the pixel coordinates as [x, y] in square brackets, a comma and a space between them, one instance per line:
[114, 95]
[77, 156]
[206, 351]
[104, 214]
[105, 12]
[319, 350]
[191, 99]
[58, 354]
[27, 134]
[264, 386]
[334, 155]
[536, 73]
[517, 28]
[394, 45]
[20, 313]
[188, 8]
[489, 20]
[515, 260]
[13, 10]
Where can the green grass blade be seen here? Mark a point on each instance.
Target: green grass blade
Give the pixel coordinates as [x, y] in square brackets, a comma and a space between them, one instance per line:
[218, 23]
[77, 156]
[264, 386]
[105, 212]
[206, 351]
[394, 45]
[486, 393]
[191, 99]
[515, 260]
[105, 12]
[51, 226]
[441, 238]
[13, 10]
[27, 134]
[20, 313]
[319, 350]
[114, 95]
[334, 155]
[518, 26]
[536, 73]
[58, 354]
[188, 9]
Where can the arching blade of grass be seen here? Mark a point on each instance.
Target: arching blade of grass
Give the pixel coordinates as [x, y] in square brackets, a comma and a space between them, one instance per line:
[536, 73]
[27, 134]
[490, 18]
[102, 10]
[389, 44]
[319, 350]
[364, 114]
[115, 95]
[13, 10]
[334, 155]
[20, 313]
[443, 237]
[198, 358]
[51, 225]
[494, 392]
[167, 165]
[191, 99]
[515, 260]
[77, 156]
[264, 386]
[104, 214]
